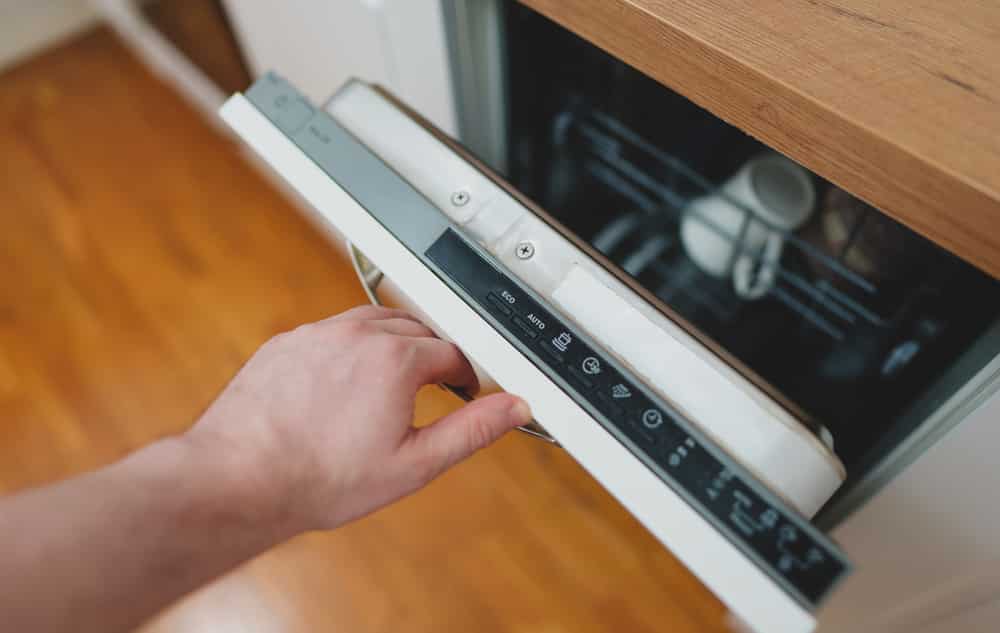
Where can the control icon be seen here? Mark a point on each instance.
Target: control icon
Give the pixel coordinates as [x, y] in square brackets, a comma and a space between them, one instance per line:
[652, 418]
[769, 518]
[591, 366]
[796, 553]
[620, 392]
[562, 341]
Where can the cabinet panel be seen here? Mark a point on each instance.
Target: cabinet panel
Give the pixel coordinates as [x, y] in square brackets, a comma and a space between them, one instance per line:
[317, 44]
[925, 534]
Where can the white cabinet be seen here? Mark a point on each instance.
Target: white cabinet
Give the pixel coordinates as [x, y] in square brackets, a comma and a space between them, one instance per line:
[322, 43]
[28, 27]
[926, 546]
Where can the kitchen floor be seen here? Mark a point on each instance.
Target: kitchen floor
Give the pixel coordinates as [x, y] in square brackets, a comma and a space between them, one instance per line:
[142, 260]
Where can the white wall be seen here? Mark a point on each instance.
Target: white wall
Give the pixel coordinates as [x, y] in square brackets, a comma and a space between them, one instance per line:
[29, 26]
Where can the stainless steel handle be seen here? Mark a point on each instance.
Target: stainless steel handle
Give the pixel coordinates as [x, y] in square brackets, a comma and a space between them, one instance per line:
[370, 277]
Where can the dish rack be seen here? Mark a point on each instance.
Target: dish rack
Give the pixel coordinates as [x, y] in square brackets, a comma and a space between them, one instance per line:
[659, 186]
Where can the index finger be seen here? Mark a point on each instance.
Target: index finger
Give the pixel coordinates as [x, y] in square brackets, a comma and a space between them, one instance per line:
[371, 313]
[436, 361]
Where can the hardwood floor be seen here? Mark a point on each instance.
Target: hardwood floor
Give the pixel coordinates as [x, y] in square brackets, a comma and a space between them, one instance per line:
[142, 261]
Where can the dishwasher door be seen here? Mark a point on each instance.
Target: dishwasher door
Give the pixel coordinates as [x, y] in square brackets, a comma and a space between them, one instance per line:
[718, 468]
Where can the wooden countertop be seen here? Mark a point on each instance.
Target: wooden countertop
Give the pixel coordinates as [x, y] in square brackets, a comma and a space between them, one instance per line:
[896, 102]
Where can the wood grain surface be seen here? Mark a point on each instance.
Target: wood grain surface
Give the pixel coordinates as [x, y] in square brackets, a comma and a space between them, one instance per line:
[896, 102]
[142, 261]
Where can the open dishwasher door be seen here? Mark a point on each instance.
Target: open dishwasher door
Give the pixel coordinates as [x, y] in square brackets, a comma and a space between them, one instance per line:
[718, 468]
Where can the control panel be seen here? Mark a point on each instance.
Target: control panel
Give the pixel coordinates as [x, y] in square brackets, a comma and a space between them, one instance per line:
[779, 541]
[782, 542]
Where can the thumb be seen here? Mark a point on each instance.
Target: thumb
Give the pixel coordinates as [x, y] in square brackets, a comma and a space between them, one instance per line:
[436, 448]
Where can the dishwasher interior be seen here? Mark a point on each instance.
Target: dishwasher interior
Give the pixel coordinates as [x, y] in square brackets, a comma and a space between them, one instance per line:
[859, 321]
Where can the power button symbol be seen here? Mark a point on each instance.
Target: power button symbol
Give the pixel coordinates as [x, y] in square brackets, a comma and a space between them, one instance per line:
[652, 418]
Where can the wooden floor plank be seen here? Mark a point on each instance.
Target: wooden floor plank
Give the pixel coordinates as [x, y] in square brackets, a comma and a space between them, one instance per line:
[142, 260]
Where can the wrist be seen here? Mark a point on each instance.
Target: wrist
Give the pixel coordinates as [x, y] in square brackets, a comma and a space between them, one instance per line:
[241, 490]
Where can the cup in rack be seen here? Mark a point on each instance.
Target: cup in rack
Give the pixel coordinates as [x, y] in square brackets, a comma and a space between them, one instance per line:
[739, 230]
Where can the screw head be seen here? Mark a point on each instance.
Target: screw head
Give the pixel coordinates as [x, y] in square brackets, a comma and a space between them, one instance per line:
[524, 250]
[460, 198]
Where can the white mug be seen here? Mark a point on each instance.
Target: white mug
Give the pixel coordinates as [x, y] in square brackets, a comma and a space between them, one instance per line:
[773, 195]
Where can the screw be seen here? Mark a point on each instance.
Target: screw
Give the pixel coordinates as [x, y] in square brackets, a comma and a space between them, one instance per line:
[460, 198]
[524, 250]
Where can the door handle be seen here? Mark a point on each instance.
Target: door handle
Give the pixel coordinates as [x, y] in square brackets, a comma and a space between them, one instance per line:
[370, 277]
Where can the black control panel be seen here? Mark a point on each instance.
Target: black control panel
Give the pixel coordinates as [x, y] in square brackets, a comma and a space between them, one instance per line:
[781, 542]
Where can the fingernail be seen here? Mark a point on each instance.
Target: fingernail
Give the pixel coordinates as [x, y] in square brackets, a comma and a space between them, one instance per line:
[520, 412]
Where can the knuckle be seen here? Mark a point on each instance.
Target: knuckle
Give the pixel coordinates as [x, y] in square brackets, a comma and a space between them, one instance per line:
[449, 353]
[406, 352]
[397, 348]
[289, 336]
[372, 312]
[420, 327]
[353, 329]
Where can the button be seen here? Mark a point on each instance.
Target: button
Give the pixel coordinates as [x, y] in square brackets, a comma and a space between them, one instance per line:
[500, 304]
[652, 418]
[292, 114]
[553, 353]
[536, 321]
[562, 341]
[621, 391]
[610, 403]
[587, 370]
[579, 374]
[528, 328]
[557, 345]
[638, 429]
[591, 366]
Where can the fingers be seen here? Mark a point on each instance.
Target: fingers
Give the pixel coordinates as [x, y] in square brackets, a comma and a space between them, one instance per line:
[427, 359]
[371, 312]
[436, 361]
[404, 327]
[431, 450]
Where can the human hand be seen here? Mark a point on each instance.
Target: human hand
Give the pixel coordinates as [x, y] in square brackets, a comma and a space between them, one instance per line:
[319, 421]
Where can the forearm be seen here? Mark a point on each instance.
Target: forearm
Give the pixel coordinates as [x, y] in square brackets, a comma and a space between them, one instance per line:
[315, 431]
[106, 551]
